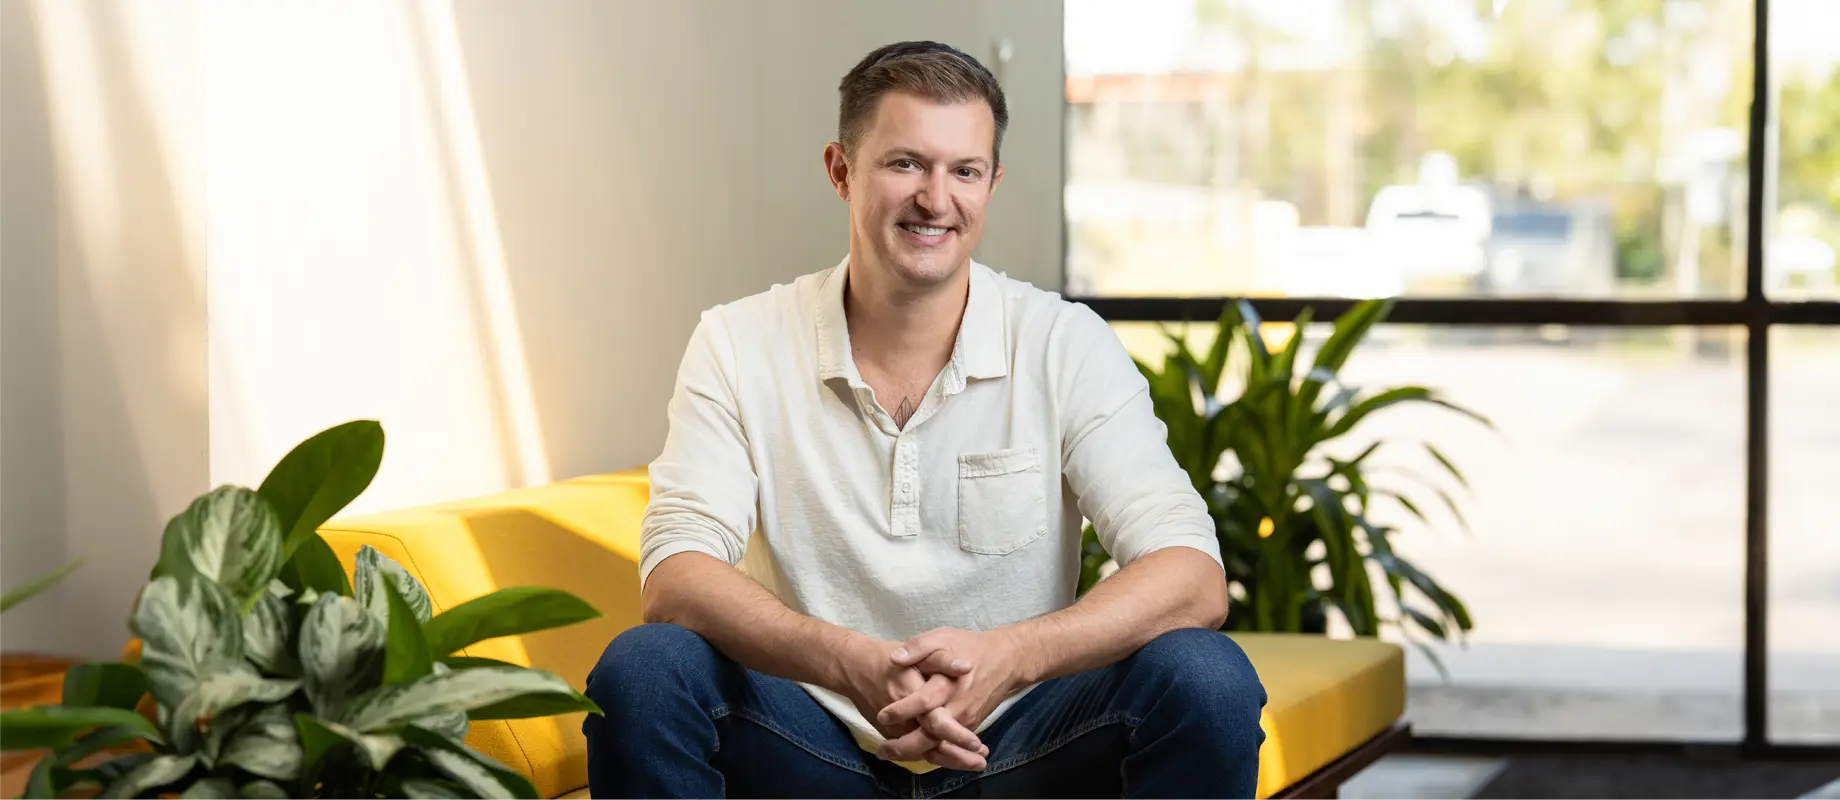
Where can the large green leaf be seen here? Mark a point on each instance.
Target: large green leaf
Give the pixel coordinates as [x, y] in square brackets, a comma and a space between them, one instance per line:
[153, 773]
[372, 570]
[460, 690]
[266, 630]
[506, 612]
[267, 745]
[316, 568]
[34, 588]
[472, 769]
[56, 726]
[104, 683]
[230, 536]
[217, 693]
[188, 628]
[341, 653]
[320, 476]
[406, 655]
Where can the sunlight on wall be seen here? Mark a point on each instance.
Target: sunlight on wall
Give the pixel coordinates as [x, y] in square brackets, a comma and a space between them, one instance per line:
[355, 266]
[119, 416]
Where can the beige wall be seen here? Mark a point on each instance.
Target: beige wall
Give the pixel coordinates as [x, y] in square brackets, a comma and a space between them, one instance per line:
[102, 323]
[31, 453]
[491, 225]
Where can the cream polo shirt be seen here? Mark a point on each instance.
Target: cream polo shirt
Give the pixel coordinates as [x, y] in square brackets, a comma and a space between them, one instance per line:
[780, 460]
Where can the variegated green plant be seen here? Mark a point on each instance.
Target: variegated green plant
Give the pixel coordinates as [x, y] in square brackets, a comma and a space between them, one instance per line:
[1296, 525]
[275, 677]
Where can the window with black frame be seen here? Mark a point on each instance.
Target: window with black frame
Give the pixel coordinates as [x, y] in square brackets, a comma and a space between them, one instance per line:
[1557, 196]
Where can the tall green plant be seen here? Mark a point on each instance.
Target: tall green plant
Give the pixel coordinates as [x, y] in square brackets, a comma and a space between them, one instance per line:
[1287, 494]
[276, 677]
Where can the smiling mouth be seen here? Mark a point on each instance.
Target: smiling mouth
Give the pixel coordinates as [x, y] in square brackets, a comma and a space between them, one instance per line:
[924, 230]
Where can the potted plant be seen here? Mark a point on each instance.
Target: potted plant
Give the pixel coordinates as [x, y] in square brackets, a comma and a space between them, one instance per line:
[1295, 523]
[28, 678]
[274, 676]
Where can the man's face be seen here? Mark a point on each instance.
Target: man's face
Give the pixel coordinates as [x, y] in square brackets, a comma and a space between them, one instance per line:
[917, 186]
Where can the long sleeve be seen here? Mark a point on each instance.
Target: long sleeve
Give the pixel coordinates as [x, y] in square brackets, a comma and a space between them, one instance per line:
[704, 487]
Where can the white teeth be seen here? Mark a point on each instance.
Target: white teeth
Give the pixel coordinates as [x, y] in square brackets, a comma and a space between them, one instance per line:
[926, 231]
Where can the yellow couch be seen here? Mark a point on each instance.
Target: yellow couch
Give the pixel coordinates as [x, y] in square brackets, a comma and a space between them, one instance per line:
[1333, 705]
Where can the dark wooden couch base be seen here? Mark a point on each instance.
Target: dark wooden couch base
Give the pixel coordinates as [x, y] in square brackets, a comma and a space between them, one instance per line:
[1327, 782]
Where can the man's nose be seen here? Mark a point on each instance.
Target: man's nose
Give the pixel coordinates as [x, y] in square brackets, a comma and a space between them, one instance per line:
[934, 196]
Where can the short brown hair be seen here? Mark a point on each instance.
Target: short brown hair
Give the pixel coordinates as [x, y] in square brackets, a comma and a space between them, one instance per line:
[932, 70]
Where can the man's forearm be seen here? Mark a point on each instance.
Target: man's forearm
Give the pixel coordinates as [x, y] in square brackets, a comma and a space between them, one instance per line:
[745, 621]
[1170, 589]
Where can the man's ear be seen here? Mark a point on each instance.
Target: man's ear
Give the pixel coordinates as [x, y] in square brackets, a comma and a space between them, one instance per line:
[996, 178]
[837, 168]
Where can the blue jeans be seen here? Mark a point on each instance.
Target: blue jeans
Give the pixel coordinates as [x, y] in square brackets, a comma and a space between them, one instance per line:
[1179, 718]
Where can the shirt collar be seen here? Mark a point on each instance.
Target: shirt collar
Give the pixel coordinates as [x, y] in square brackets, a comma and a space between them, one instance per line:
[981, 351]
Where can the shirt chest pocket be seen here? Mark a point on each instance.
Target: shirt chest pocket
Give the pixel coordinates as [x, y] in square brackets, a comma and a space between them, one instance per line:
[1001, 500]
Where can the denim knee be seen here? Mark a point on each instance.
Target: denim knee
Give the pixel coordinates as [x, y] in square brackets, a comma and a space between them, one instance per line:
[648, 664]
[1205, 671]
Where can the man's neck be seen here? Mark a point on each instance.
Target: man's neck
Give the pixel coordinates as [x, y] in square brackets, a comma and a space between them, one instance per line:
[904, 328]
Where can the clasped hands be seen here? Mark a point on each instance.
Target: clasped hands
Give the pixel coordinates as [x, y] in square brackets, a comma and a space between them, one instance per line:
[927, 695]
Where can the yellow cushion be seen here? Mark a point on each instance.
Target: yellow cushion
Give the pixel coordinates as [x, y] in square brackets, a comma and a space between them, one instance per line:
[1324, 697]
[581, 536]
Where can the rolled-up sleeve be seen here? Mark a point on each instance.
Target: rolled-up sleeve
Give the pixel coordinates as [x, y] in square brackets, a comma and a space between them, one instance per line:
[704, 487]
[1114, 450]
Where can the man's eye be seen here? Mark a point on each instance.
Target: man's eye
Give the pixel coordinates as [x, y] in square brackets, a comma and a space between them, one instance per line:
[905, 163]
[967, 173]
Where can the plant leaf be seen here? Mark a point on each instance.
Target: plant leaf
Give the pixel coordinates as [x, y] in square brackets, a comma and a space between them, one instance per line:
[211, 789]
[474, 770]
[56, 726]
[182, 621]
[264, 790]
[38, 586]
[473, 662]
[1448, 467]
[104, 683]
[48, 779]
[315, 567]
[425, 789]
[372, 570]
[267, 745]
[506, 612]
[229, 536]
[1425, 621]
[217, 693]
[341, 653]
[1347, 420]
[461, 690]
[319, 477]
[377, 749]
[265, 637]
[316, 738]
[151, 774]
[406, 654]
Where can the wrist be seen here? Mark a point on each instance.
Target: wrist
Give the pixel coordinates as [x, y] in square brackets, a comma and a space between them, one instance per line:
[1025, 652]
[845, 655]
